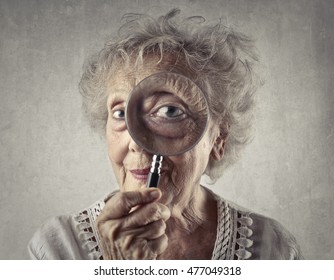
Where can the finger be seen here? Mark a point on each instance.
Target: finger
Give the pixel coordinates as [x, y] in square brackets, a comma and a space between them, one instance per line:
[139, 250]
[111, 230]
[158, 245]
[147, 214]
[151, 231]
[121, 203]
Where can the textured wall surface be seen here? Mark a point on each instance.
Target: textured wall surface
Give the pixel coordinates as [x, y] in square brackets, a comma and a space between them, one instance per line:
[51, 164]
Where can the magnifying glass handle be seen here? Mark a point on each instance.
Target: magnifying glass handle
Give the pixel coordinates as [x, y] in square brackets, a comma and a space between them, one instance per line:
[154, 175]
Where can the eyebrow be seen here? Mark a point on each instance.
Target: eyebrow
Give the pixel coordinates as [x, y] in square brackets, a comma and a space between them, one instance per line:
[116, 97]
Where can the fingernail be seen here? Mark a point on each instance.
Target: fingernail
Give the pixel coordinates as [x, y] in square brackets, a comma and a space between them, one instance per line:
[154, 194]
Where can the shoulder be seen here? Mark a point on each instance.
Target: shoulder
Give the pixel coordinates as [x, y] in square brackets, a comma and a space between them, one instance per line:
[53, 239]
[243, 234]
[67, 236]
[270, 240]
[273, 240]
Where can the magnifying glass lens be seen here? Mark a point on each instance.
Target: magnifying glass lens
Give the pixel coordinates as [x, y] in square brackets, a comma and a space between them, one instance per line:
[166, 114]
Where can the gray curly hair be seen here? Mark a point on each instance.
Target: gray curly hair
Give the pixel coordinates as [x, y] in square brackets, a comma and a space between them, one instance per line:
[222, 60]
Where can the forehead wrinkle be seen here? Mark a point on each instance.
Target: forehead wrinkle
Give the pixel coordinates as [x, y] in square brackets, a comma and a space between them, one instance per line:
[120, 85]
[124, 79]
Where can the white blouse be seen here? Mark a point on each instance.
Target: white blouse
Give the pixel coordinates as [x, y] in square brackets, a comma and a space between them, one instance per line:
[240, 235]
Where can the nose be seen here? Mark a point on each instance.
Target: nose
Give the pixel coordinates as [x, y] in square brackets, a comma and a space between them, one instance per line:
[134, 147]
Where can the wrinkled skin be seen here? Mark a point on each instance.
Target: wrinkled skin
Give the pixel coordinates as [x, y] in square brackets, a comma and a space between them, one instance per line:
[136, 225]
[138, 234]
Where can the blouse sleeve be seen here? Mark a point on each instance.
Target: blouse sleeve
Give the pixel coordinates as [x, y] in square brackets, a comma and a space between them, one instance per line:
[55, 240]
[272, 241]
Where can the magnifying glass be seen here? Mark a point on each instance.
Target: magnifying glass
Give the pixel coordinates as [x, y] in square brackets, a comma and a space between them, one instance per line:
[166, 115]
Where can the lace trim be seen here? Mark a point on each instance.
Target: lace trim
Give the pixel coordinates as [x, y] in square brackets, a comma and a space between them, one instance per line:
[88, 233]
[240, 239]
[232, 242]
[232, 233]
[223, 232]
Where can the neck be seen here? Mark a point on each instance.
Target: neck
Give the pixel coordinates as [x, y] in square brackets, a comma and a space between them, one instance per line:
[199, 208]
[192, 233]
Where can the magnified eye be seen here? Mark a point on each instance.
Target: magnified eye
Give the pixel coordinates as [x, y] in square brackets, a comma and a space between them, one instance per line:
[118, 114]
[169, 112]
[169, 122]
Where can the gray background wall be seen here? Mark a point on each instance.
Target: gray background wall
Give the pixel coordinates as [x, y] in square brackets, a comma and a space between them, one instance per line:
[52, 164]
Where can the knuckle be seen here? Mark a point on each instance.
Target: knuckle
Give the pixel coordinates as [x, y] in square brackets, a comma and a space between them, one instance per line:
[130, 199]
[161, 227]
[155, 211]
[108, 230]
[161, 231]
[122, 199]
[142, 244]
[117, 199]
[126, 242]
[164, 242]
[160, 244]
[165, 212]
[156, 229]
[140, 249]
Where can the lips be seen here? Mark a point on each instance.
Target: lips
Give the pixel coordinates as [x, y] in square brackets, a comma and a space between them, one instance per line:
[140, 174]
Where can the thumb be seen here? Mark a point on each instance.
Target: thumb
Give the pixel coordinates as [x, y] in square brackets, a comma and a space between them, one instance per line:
[121, 204]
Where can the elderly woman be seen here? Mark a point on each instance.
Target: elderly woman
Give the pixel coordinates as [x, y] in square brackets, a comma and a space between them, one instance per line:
[181, 219]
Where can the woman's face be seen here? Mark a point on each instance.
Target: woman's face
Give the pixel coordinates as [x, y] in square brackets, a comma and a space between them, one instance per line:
[180, 175]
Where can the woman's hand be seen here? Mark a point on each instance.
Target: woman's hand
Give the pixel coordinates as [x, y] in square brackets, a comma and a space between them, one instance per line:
[132, 225]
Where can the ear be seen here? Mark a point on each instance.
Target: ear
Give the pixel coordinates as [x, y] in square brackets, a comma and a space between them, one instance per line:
[217, 152]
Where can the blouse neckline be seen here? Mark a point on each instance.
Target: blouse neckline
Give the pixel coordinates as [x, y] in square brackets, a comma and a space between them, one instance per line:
[233, 239]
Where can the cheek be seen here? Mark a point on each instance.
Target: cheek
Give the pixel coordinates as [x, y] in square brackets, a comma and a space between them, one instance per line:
[187, 169]
[117, 146]
[191, 165]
